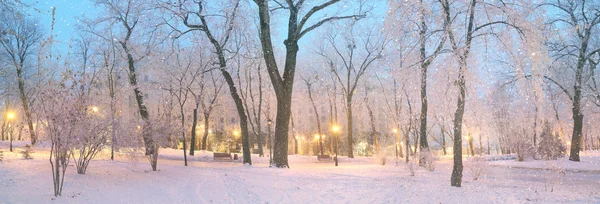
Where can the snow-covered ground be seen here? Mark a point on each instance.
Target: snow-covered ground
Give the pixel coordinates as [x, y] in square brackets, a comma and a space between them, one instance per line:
[357, 180]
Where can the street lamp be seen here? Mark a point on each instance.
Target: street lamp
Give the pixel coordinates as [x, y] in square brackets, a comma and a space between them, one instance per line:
[269, 123]
[94, 109]
[10, 116]
[335, 130]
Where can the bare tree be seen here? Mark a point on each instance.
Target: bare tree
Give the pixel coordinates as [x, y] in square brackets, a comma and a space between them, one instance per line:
[253, 104]
[283, 84]
[309, 82]
[221, 47]
[19, 36]
[582, 19]
[355, 63]
[125, 18]
[461, 51]
[182, 77]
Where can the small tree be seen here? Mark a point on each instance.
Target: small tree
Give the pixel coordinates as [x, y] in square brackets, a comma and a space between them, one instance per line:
[62, 109]
[550, 146]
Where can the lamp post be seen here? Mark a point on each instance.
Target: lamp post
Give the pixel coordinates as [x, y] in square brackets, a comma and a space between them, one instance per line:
[10, 116]
[335, 130]
[269, 122]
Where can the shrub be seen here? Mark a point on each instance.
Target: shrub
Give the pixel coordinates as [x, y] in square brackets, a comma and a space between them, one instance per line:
[554, 173]
[477, 166]
[429, 159]
[412, 165]
[381, 158]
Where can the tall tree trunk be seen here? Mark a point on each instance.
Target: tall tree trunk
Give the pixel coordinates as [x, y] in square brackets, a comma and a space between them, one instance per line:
[577, 114]
[241, 112]
[444, 141]
[232, 89]
[139, 98]
[349, 126]
[25, 103]
[193, 133]
[205, 134]
[183, 134]
[282, 122]
[456, 178]
[424, 146]
[318, 120]
[373, 136]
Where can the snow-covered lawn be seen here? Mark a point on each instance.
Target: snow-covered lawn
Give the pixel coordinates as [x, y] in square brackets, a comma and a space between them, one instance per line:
[357, 180]
[590, 162]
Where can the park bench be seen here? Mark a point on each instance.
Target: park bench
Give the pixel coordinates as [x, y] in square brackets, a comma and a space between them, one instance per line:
[323, 157]
[222, 156]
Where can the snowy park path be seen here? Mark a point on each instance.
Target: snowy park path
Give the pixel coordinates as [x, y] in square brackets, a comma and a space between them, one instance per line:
[359, 181]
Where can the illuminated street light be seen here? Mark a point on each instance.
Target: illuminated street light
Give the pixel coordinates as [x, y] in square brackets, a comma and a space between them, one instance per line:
[94, 109]
[10, 116]
[335, 130]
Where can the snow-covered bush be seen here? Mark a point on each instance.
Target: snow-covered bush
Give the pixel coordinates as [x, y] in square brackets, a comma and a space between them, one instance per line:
[381, 158]
[555, 171]
[412, 165]
[550, 146]
[520, 141]
[429, 158]
[477, 166]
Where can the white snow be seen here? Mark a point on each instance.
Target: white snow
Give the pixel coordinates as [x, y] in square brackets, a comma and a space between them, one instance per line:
[357, 180]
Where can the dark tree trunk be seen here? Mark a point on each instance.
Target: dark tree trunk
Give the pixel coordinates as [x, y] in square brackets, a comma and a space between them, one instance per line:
[456, 179]
[232, 89]
[577, 114]
[283, 84]
[424, 146]
[205, 134]
[139, 98]
[241, 112]
[25, 102]
[183, 134]
[349, 126]
[373, 136]
[282, 123]
[194, 124]
[444, 142]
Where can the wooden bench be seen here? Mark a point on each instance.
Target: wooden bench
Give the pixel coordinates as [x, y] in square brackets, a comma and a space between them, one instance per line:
[323, 157]
[221, 156]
